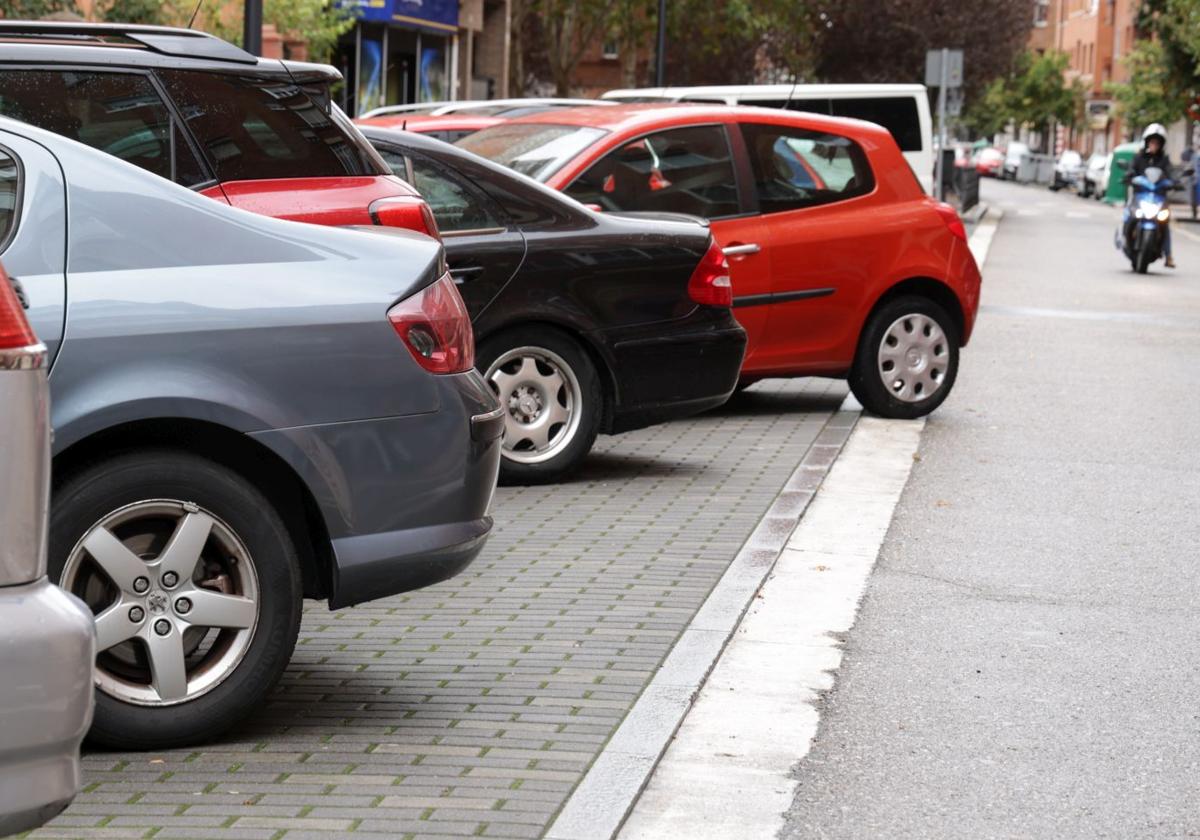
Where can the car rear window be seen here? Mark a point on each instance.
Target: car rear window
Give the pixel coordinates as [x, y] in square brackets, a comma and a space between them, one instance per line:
[534, 149]
[251, 128]
[10, 194]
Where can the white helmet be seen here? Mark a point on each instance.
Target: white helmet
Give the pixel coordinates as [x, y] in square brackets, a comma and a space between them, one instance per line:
[1154, 130]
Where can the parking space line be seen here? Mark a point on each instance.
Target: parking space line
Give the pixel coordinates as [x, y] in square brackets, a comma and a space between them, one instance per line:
[604, 798]
[727, 773]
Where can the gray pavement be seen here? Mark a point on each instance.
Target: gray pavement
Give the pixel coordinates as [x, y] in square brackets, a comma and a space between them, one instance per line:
[474, 707]
[1025, 659]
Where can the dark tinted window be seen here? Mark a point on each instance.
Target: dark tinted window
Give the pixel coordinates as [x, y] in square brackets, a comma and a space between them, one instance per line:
[455, 205]
[118, 113]
[10, 194]
[684, 170]
[796, 168]
[808, 106]
[252, 128]
[898, 114]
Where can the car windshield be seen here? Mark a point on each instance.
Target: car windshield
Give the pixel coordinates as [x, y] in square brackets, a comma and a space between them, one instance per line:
[534, 149]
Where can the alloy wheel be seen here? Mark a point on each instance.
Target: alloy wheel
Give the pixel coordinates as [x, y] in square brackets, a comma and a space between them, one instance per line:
[175, 593]
[542, 401]
[914, 357]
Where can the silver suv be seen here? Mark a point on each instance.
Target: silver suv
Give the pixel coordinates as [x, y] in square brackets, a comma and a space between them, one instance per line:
[46, 636]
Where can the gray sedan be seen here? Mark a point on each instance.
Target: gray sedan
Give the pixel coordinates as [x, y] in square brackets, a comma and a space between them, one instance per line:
[46, 644]
[247, 411]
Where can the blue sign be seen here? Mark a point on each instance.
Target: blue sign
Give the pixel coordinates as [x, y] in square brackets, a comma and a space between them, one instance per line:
[436, 15]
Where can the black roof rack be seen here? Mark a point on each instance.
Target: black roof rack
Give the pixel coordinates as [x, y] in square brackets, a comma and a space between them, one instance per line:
[168, 40]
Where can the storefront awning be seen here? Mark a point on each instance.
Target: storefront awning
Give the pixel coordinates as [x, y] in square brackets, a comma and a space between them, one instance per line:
[434, 15]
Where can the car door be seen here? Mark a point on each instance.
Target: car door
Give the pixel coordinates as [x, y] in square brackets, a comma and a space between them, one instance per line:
[33, 233]
[483, 249]
[824, 235]
[689, 169]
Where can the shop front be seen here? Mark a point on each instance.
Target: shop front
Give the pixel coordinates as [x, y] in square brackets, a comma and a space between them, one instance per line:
[399, 52]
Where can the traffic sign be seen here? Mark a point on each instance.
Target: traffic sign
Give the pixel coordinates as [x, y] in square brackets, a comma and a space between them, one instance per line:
[954, 68]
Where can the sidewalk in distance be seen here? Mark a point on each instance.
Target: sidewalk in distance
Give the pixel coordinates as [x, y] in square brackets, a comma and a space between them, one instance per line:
[475, 707]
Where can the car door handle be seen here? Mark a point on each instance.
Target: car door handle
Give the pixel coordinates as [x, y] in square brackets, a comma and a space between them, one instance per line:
[741, 250]
[462, 273]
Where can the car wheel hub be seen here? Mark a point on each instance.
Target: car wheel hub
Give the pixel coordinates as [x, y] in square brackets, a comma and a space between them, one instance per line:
[175, 594]
[913, 358]
[543, 398]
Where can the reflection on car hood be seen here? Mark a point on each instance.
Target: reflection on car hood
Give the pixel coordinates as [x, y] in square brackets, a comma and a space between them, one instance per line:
[652, 216]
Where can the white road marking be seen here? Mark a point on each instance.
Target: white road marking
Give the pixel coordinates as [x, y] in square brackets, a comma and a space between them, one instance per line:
[1078, 214]
[1025, 211]
[727, 773]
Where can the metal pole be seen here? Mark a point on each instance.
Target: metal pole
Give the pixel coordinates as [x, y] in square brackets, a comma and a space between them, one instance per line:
[939, 191]
[252, 29]
[660, 58]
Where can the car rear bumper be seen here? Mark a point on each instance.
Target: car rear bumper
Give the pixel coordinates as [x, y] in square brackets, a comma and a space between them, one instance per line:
[675, 374]
[405, 499]
[48, 645]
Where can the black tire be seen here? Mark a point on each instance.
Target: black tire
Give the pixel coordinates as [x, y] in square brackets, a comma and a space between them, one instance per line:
[88, 496]
[866, 378]
[568, 453]
[1141, 263]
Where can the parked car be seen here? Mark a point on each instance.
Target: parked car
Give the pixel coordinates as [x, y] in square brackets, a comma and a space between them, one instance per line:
[450, 128]
[1012, 160]
[1068, 171]
[1095, 177]
[901, 109]
[481, 107]
[246, 411]
[46, 637]
[841, 265]
[989, 162]
[586, 322]
[256, 133]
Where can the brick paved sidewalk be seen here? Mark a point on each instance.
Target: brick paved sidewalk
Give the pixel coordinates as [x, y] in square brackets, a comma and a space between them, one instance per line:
[473, 708]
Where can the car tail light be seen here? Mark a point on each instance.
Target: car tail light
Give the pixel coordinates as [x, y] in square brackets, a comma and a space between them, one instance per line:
[436, 328]
[14, 328]
[953, 222]
[710, 284]
[404, 211]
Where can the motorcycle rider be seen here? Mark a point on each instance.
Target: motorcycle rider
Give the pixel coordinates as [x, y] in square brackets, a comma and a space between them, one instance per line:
[1153, 155]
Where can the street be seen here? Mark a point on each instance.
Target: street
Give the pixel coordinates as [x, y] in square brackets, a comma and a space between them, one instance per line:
[1023, 661]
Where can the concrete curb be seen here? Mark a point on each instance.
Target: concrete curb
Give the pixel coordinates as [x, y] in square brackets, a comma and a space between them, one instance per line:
[602, 801]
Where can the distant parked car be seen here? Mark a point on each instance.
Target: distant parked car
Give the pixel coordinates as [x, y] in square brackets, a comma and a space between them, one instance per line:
[46, 637]
[841, 265]
[481, 107]
[989, 162]
[587, 322]
[1095, 180]
[246, 412]
[450, 128]
[256, 133]
[1012, 160]
[1068, 171]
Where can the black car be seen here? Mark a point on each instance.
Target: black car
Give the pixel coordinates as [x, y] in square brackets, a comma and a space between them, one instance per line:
[585, 322]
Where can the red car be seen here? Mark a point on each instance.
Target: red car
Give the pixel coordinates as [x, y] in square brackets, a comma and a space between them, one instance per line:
[256, 133]
[989, 162]
[841, 265]
[451, 128]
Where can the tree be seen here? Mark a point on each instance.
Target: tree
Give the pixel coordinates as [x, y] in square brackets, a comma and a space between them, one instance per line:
[568, 28]
[1154, 92]
[33, 9]
[1034, 93]
[990, 112]
[716, 41]
[136, 11]
[886, 40]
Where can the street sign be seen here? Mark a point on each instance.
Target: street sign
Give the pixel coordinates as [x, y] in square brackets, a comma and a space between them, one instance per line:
[954, 102]
[954, 68]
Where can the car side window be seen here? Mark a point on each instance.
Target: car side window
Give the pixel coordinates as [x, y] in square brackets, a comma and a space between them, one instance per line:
[795, 167]
[395, 161]
[682, 170]
[456, 206]
[10, 196]
[118, 113]
[253, 128]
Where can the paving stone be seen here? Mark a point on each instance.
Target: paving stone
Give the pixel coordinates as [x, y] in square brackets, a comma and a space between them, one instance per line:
[477, 705]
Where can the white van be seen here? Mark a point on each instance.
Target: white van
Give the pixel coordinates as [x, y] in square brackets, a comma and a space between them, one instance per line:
[901, 109]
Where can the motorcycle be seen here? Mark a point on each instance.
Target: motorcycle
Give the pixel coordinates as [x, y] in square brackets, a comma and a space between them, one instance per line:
[1143, 229]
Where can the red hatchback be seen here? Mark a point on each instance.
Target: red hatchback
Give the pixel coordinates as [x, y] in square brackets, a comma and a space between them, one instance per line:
[841, 265]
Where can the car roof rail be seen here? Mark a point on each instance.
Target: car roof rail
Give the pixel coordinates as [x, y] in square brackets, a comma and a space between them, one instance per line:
[167, 40]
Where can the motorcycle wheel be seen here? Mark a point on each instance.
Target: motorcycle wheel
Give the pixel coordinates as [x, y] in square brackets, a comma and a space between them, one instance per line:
[1143, 258]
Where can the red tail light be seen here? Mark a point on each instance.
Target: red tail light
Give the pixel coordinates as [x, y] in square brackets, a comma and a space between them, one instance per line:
[405, 211]
[710, 284]
[436, 328]
[14, 329]
[953, 222]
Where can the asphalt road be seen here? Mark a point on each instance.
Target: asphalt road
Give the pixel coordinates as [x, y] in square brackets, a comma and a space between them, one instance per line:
[1025, 663]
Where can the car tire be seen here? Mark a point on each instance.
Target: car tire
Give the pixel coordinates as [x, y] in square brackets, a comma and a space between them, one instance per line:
[553, 402]
[171, 509]
[907, 358]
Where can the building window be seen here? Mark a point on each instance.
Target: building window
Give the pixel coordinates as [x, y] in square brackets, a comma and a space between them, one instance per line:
[1041, 13]
[610, 50]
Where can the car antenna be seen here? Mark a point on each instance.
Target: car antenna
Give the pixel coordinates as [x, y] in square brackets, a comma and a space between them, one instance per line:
[195, 12]
[791, 93]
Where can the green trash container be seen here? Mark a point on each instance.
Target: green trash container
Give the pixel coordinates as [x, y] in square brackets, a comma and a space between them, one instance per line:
[1122, 160]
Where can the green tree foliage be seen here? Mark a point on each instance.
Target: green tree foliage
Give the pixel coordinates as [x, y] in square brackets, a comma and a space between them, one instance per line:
[33, 9]
[136, 11]
[1155, 92]
[319, 22]
[723, 41]
[1034, 93]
